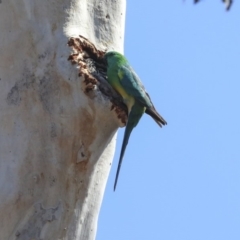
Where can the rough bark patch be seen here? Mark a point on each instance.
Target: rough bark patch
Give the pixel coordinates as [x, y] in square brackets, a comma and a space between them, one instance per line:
[94, 71]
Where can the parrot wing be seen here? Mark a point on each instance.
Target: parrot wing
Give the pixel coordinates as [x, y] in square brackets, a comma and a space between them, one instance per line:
[134, 87]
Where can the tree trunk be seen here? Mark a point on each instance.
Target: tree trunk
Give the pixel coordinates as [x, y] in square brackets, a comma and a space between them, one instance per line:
[56, 141]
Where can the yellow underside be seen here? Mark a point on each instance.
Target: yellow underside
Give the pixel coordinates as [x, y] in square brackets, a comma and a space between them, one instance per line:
[128, 100]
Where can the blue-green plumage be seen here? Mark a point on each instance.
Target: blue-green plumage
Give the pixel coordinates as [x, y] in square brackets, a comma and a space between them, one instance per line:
[126, 82]
[133, 118]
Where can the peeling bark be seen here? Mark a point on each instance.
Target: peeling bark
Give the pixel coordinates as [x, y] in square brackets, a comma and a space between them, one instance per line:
[93, 69]
[57, 129]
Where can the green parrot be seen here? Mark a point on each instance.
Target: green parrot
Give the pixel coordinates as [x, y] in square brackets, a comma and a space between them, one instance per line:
[125, 81]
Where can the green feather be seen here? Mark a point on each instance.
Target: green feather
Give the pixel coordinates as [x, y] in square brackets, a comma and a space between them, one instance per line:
[125, 81]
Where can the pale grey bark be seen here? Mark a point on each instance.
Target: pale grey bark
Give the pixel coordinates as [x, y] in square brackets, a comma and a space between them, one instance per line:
[56, 143]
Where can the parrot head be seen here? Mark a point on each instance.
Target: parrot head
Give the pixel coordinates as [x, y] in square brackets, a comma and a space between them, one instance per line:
[113, 56]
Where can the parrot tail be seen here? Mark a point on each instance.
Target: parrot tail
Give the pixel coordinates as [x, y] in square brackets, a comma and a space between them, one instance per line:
[133, 119]
[127, 133]
[156, 116]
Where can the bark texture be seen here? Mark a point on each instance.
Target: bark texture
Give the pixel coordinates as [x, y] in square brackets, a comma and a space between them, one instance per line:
[56, 141]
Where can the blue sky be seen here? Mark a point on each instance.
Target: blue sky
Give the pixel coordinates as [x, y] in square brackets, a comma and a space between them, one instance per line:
[181, 182]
